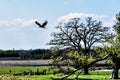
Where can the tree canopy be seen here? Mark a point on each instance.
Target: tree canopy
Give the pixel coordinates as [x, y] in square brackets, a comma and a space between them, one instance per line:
[78, 34]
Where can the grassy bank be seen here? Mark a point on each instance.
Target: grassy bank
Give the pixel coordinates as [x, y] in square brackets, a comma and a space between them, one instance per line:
[6, 73]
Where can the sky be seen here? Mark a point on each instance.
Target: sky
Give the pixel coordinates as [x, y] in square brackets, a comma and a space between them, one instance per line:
[17, 17]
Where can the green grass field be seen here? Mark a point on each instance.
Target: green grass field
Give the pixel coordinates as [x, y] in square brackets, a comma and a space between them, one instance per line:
[6, 73]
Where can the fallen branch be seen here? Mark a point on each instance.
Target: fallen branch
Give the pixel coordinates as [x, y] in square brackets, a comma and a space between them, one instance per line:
[105, 57]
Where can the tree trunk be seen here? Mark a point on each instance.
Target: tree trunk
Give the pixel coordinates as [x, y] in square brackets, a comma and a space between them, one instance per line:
[115, 74]
[86, 70]
[116, 62]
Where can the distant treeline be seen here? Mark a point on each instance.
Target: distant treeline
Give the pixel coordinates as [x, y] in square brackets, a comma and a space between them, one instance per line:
[27, 54]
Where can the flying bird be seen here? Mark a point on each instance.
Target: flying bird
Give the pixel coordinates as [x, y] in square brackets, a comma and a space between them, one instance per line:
[41, 25]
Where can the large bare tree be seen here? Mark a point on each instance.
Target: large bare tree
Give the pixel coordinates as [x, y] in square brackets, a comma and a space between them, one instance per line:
[80, 35]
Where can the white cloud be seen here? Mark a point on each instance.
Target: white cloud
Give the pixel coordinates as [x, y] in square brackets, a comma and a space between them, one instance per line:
[80, 15]
[17, 22]
[106, 20]
[109, 21]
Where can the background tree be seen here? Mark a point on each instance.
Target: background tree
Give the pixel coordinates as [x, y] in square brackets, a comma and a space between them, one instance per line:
[81, 36]
[113, 46]
[116, 45]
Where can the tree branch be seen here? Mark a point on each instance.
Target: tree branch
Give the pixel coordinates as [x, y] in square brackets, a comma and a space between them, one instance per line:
[105, 57]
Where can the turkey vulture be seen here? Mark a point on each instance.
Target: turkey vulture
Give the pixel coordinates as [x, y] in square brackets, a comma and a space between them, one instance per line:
[41, 25]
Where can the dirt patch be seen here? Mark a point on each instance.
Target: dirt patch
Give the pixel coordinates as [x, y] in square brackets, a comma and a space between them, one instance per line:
[3, 77]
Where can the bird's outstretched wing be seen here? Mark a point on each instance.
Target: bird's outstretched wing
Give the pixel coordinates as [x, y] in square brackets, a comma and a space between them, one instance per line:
[38, 23]
[43, 25]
